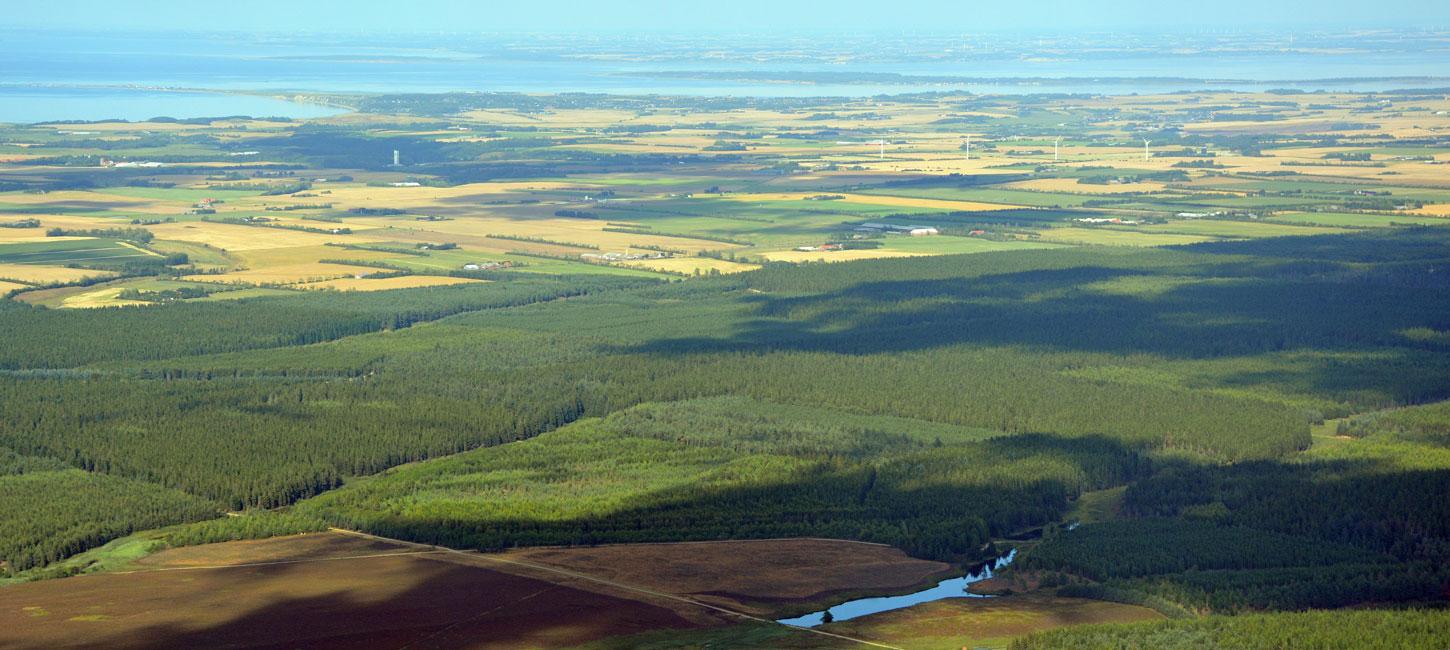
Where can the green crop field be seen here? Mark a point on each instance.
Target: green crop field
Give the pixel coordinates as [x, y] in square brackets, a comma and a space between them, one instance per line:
[985, 195]
[1353, 220]
[1239, 229]
[65, 252]
[956, 245]
[178, 194]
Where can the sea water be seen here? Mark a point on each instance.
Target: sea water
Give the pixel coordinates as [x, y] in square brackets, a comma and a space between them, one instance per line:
[116, 75]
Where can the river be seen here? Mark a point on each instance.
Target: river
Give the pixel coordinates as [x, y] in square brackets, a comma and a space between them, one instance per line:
[949, 588]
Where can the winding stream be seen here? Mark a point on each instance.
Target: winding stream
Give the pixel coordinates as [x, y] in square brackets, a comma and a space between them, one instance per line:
[949, 588]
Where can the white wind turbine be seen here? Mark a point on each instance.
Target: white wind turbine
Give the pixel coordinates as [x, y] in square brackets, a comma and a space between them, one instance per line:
[1056, 148]
[1145, 149]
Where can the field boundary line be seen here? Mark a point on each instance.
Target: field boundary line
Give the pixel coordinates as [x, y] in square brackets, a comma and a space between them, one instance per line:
[277, 562]
[611, 583]
[720, 541]
[138, 248]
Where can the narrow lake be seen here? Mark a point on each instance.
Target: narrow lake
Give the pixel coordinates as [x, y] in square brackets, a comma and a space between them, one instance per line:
[949, 588]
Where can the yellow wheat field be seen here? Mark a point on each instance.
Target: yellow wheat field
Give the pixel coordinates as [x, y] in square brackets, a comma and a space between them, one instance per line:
[573, 231]
[291, 255]
[106, 297]
[1116, 237]
[21, 235]
[286, 274]
[420, 197]
[48, 221]
[1072, 186]
[836, 256]
[1435, 210]
[244, 238]
[359, 227]
[381, 284]
[87, 200]
[691, 265]
[567, 117]
[101, 295]
[39, 274]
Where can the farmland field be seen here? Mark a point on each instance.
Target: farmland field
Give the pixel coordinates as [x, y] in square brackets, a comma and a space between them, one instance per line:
[836, 256]
[329, 590]
[1358, 220]
[88, 297]
[229, 237]
[38, 274]
[383, 284]
[1119, 237]
[690, 265]
[68, 252]
[287, 274]
[1239, 229]
[370, 594]
[1003, 198]
[1071, 185]
[883, 200]
[988, 622]
[569, 370]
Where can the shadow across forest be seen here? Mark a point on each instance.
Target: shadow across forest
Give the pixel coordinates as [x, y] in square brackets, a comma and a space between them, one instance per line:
[1064, 310]
[1369, 317]
[925, 499]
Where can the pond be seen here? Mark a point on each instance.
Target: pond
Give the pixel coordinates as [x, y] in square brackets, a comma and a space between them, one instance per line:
[949, 588]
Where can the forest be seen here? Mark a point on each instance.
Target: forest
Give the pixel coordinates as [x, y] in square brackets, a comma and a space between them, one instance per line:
[1087, 361]
[723, 468]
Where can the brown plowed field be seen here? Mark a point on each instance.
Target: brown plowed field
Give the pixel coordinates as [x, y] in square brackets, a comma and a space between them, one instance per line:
[317, 597]
[763, 577]
[330, 590]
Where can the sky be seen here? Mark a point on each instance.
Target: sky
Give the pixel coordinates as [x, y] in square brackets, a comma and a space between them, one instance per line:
[285, 16]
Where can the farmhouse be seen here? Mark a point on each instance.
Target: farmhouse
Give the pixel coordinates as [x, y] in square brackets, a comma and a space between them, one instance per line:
[915, 231]
[1112, 220]
[624, 257]
[487, 266]
[822, 247]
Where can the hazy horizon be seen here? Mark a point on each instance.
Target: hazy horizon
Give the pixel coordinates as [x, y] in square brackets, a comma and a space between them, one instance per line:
[278, 17]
